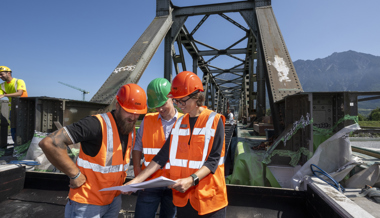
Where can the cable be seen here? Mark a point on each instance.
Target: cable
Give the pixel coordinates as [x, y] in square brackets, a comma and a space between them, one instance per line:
[335, 184]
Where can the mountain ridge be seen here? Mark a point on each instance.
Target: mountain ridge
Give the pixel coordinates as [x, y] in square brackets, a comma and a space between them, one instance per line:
[341, 71]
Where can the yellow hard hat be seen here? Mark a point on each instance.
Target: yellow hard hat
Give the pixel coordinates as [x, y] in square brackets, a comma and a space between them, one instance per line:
[4, 68]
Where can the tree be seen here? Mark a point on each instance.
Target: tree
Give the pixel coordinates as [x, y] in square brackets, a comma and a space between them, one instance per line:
[361, 117]
[374, 115]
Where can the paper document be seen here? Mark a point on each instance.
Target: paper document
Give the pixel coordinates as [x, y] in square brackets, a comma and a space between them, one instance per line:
[154, 183]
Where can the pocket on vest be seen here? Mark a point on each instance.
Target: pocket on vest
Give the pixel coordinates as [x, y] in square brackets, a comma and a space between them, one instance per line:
[207, 191]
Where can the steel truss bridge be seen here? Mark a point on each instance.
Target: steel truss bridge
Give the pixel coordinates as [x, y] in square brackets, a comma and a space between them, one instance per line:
[267, 65]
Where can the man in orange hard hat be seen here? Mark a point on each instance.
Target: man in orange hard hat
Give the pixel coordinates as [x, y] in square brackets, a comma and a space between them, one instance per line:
[106, 143]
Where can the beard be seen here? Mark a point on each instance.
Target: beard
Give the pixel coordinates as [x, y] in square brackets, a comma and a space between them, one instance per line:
[125, 125]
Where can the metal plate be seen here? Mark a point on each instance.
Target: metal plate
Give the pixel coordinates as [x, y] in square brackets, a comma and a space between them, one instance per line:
[283, 79]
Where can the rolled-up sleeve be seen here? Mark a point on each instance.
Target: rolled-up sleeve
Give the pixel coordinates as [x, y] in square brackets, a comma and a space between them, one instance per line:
[138, 143]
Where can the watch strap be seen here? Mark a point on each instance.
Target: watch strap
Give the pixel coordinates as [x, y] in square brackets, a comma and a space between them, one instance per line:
[195, 179]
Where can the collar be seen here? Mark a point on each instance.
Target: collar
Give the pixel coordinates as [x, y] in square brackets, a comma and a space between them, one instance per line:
[11, 80]
[175, 116]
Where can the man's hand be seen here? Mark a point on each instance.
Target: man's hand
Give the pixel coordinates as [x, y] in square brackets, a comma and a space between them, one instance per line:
[143, 175]
[2, 96]
[182, 185]
[133, 181]
[78, 182]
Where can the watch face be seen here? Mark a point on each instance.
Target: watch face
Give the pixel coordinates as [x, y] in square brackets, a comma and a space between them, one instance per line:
[195, 179]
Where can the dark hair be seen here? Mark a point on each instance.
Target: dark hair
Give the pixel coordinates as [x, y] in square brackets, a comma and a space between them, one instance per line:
[201, 98]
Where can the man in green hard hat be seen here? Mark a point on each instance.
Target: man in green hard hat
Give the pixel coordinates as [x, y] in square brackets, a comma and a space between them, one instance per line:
[151, 136]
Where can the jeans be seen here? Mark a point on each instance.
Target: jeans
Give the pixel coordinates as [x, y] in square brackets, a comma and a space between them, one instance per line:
[75, 210]
[148, 200]
[189, 212]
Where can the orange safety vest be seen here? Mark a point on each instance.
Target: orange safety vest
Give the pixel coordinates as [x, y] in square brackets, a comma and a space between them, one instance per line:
[185, 159]
[106, 169]
[153, 139]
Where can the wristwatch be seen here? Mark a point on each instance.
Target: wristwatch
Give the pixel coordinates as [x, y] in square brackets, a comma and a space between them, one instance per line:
[195, 179]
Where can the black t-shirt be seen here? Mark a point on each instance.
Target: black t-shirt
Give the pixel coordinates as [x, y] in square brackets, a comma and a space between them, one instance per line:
[88, 131]
[213, 159]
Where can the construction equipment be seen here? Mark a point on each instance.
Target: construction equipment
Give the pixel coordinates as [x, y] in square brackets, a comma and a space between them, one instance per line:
[83, 91]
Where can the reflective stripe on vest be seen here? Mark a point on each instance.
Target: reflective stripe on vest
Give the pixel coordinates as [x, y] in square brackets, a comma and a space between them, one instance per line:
[108, 168]
[208, 132]
[109, 139]
[153, 151]
[98, 168]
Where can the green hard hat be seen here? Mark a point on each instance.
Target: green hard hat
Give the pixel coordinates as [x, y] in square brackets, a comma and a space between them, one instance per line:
[157, 90]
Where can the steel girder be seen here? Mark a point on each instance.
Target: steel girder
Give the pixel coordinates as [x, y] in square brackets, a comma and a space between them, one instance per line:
[281, 75]
[137, 59]
[211, 81]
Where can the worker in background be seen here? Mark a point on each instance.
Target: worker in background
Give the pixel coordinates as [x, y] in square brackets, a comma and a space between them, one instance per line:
[195, 151]
[106, 144]
[11, 87]
[230, 117]
[152, 134]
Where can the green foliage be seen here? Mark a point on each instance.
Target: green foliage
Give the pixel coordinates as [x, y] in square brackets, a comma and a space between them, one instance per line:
[361, 117]
[178, 109]
[364, 112]
[152, 110]
[374, 115]
[369, 123]
[268, 112]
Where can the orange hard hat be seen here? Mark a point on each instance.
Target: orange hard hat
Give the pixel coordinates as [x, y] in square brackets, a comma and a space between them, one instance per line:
[184, 84]
[132, 98]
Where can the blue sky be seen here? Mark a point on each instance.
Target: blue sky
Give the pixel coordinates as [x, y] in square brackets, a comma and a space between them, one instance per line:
[81, 42]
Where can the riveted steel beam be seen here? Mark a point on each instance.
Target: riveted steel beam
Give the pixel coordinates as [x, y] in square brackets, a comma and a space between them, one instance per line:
[223, 52]
[219, 8]
[282, 77]
[130, 69]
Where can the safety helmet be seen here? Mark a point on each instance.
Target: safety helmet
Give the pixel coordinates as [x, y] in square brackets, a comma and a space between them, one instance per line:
[132, 98]
[157, 91]
[4, 69]
[184, 84]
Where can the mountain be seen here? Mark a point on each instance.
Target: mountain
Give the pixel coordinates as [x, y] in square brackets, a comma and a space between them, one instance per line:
[341, 71]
